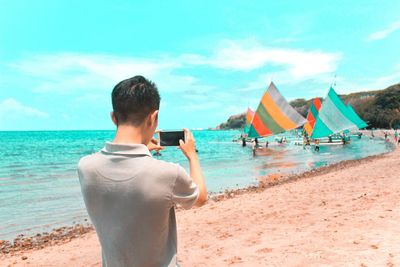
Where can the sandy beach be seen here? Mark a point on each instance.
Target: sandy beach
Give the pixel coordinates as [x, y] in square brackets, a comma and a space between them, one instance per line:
[345, 215]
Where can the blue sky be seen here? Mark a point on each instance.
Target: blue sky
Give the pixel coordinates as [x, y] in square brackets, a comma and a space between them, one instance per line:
[59, 60]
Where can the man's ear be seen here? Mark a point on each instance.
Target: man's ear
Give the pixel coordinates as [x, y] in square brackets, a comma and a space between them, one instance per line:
[114, 118]
[154, 117]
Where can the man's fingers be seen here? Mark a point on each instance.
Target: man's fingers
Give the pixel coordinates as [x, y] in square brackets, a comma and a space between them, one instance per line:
[188, 133]
[154, 141]
[181, 143]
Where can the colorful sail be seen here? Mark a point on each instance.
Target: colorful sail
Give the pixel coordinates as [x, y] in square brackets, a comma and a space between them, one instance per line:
[333, 117]
[274, 115]
[312, 116]
[355, 118]
[249, 118]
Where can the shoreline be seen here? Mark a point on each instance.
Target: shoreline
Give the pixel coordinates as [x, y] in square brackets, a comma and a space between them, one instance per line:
[65, 234]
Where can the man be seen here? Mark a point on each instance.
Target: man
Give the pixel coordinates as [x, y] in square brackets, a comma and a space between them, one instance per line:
[130, 195]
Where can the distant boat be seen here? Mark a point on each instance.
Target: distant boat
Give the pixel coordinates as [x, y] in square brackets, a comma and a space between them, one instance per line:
[274, 115]
[312, 116]
[249, 118]
[335, 117]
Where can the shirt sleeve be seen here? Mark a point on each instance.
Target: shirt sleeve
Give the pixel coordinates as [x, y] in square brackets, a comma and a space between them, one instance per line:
[185, 192]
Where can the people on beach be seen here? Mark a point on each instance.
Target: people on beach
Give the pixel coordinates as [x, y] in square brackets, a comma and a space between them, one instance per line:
[243, 141]
[129, 195]
[386, 135]
[254, 147]
[304, 141]
[316, 148]
[343, 137]
[266, 144]
[307, 141]
[396, 136]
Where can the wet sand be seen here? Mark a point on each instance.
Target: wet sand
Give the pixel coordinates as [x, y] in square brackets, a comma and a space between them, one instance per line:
[342, 215]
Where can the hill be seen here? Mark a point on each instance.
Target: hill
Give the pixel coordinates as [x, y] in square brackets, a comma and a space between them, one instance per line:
[379, 108]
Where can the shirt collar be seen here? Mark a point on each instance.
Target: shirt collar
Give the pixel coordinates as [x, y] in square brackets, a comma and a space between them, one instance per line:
[126, 149]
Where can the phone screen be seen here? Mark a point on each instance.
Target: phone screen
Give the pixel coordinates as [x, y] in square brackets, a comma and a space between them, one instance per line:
[171, 138]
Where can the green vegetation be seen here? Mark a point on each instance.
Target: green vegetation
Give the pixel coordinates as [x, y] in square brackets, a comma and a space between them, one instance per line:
[234, 122]
[384, 110]
[380, 109]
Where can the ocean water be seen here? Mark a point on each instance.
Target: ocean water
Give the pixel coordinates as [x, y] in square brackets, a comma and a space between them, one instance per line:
[39, 186]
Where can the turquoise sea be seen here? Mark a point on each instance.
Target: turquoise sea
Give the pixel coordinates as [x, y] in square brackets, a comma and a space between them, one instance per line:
[39, 187]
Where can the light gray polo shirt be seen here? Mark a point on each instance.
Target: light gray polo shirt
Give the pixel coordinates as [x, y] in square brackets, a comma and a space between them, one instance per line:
[130, 198]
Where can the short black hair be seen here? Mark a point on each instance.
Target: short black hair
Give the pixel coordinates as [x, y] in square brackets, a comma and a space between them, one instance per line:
[134, 99]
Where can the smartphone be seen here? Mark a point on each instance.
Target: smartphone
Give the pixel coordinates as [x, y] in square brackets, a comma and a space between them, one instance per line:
[171, 138]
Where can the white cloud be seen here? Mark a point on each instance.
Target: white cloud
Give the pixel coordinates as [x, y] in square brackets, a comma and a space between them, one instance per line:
[71, 72]
[233, 109]
[379, 35]
[249, 55]
[200, 106]
[64, 73]
[368, 83]
[10, 108]
[284, 78]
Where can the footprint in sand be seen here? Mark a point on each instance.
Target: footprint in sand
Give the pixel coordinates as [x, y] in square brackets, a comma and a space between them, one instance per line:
[233, 260]
[224, 236]
[253, 241]
[264, 250]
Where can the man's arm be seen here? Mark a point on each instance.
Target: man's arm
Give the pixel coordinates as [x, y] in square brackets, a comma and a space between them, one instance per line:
[189, 150]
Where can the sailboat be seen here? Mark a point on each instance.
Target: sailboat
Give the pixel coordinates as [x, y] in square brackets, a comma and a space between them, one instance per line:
[274, 115]
[312, 116]
[249, 118]
[335, 117]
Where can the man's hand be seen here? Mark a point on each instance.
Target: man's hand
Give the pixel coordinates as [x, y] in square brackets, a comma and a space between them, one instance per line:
[189, 150]
[153, 145]
[189, 147]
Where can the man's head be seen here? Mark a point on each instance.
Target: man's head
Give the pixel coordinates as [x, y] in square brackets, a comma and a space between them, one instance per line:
[136, 102]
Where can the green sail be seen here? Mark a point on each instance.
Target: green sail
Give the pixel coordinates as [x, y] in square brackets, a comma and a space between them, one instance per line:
[333, 117]
[355, 118]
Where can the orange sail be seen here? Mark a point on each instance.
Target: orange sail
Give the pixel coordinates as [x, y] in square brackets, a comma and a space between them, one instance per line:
[249, 118]
[274, 115]
[312, 116]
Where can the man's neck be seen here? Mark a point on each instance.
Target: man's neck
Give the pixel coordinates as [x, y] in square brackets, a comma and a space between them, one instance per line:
[127, 134]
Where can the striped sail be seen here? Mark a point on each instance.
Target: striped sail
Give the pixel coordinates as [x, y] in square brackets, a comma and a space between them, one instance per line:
[249, 118]
[274, 115]
[333, 117]
[355, 118]
[312, 116]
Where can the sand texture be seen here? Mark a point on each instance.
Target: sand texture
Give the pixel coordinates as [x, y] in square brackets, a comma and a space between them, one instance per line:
[349, 216]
